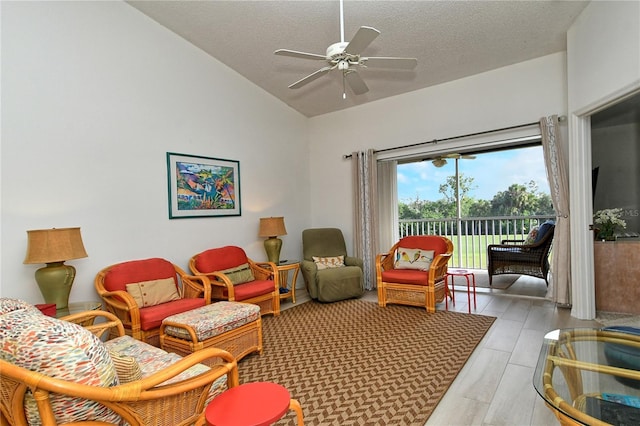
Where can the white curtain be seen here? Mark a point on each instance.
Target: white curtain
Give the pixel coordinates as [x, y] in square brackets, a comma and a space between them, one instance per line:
[556, 165]
[389, 233]
[365, 227]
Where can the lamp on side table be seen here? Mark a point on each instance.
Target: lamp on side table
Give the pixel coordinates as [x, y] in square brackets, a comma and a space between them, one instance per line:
[272, 228]
[53, 247]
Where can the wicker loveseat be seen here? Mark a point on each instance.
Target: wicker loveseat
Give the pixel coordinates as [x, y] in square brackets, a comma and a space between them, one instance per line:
[54, 371]
[163, 289]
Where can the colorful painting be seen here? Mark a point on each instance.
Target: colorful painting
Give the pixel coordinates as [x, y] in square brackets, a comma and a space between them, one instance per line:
[202, 186]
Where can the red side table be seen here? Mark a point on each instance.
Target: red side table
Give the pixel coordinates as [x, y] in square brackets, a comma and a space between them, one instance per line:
[461, 273]
[252, 404]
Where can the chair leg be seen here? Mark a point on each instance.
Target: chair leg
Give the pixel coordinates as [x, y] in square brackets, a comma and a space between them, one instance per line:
[295, 406]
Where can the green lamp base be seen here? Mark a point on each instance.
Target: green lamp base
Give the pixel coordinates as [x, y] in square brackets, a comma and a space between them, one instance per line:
[272, 246]
[55, 281]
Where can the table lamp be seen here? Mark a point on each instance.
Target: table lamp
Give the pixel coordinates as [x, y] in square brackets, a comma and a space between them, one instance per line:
[272, 227]
[53, 247]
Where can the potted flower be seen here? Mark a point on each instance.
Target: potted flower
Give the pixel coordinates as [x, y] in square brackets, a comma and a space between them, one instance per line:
[608, 221]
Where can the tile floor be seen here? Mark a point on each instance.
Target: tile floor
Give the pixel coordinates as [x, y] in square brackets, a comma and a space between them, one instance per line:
[495, 386]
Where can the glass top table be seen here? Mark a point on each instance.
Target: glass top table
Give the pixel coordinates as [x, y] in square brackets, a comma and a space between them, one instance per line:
[591, 376]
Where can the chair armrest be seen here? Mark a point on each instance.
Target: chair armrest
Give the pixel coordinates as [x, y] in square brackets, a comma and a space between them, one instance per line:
[354, 261]
[512, 241]
[196, 286]
[122, 305]
[507, 247]
[384, 261]
[219, 279]
[438, 268]
[264, 270]
[87, 320]
[309, 266]
[229, 366]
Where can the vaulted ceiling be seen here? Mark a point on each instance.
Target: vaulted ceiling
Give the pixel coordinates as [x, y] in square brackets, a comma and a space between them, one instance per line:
[450, 39]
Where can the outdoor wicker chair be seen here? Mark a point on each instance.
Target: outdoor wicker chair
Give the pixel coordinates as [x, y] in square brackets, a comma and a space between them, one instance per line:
[516, 257]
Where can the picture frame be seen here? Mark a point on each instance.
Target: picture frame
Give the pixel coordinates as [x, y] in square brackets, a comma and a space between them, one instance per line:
[202, 186]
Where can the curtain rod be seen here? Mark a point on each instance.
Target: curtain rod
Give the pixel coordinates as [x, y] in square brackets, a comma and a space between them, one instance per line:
[562, 118]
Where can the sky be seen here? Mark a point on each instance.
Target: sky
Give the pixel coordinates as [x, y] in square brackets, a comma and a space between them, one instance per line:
[492, 173]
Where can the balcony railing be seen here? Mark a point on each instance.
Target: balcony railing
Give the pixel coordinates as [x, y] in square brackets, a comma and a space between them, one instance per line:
[472, 235]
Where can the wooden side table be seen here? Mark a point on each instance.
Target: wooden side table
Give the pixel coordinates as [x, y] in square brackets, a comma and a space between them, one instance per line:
[252, 404]
[288, 289]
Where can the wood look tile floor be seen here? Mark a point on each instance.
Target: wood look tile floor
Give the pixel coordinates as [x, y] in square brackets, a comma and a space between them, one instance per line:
[495, 385]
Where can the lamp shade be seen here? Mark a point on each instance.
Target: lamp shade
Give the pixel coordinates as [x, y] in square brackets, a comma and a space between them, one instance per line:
[54, 245]
[272, 227]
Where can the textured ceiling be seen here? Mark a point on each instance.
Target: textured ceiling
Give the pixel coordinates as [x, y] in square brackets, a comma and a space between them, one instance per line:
[450, 39]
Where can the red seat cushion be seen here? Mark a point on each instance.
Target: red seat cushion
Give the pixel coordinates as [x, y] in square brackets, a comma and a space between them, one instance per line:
[135, 271]
[251, 289]
[152, 316]
[219, 259]
[405, 276]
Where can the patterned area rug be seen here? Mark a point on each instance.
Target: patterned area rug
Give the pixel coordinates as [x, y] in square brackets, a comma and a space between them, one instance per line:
[355, 363]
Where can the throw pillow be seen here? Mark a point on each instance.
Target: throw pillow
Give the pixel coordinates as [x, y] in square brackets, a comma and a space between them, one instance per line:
[154, 292]
[407, 258]
[61, 350]
[544, 228]
[531, 238]
[127, 368]
[239, 274]
[328, 262]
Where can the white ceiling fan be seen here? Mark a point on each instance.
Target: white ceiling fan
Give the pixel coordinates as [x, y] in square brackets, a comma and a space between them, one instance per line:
[441, 160]
[345, 56]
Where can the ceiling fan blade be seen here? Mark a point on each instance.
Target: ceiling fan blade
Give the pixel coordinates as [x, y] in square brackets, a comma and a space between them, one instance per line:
[396, 63]
[310, 78]
[361, 40]
[356, 82]
[296, 54]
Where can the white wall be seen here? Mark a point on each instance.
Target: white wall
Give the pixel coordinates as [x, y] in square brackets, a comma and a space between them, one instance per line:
[509, 96]
[603, 64]
[93, 96]
[603, 48]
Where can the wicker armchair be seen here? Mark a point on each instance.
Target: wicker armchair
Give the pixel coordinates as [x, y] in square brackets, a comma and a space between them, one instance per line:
[515, 257]
[235, 277]
[415, 287]
[143, 322]
[143, 402]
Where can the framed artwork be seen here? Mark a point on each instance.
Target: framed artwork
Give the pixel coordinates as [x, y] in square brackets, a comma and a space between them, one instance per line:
[202, 186]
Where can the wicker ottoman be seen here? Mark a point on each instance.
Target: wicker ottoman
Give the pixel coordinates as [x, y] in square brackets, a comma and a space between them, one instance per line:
[233, 326]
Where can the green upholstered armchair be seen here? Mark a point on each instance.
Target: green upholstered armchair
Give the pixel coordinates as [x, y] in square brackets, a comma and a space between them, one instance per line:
[329, 273]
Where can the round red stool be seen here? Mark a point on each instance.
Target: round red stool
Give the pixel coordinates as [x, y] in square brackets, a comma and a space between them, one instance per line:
[252, 404]
[461, 273]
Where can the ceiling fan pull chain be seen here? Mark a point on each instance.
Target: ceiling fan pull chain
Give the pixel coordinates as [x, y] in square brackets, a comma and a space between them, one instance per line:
[344, 89]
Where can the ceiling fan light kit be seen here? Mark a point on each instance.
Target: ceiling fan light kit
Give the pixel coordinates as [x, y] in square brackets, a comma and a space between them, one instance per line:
[441, 161]
[345, 56]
